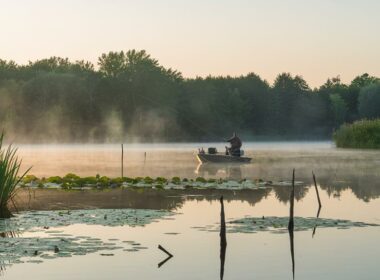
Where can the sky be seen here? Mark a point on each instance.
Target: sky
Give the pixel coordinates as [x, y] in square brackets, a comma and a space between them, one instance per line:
[316, 39]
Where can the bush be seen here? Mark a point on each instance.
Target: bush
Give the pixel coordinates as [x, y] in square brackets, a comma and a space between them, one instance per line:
[363, 134]
[54, 179]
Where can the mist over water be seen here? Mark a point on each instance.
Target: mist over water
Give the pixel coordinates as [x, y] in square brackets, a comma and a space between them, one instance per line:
[270, 161]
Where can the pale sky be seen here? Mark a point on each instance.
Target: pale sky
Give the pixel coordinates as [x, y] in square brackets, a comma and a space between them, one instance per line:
[316, 39]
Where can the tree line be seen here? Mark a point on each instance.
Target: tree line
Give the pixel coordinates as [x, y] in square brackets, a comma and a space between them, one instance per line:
[129, 96]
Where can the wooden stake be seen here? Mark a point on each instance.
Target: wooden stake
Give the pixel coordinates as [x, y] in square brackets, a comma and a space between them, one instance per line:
[164, 250]
[122, 160]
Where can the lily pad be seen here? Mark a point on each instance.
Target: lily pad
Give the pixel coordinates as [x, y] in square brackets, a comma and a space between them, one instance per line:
[280, 224]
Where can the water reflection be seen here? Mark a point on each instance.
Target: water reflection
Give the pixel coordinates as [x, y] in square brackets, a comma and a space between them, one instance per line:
[315, 227]
[337, 170]
[223, 238]
[164, 261]
[6, 234]
[230, 171]
[291, 240]
[174, 199]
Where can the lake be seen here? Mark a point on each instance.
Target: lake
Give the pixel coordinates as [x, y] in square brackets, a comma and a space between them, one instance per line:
[123, 242]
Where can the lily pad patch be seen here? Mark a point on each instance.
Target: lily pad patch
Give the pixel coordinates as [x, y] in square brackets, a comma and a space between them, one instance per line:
[280, 224]
[56, 243]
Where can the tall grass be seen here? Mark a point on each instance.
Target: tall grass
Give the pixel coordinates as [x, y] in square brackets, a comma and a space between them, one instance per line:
[364, 134]
[9, 179]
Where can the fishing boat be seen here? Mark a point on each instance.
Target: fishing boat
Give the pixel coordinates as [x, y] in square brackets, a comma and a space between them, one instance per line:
[233, 154]
[221, 158]
[213, 156]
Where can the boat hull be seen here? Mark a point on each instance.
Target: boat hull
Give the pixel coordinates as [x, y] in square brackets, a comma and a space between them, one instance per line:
[218, 158]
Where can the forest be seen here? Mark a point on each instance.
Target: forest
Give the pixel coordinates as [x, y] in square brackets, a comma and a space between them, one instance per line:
[128, 96]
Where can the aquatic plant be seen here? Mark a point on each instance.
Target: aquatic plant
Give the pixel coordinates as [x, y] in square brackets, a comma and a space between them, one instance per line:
[280, 224]
[176, 180]
[201, 179]
[9, 169]
[56, 243]
[363, 134]
[74, 182]
[54, 179]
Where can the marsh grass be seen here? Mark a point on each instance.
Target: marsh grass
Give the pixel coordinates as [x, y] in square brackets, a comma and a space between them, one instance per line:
[9, 179]
[364, 134]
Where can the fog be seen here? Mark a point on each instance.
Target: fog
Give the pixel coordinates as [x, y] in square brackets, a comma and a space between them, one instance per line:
[130, 97]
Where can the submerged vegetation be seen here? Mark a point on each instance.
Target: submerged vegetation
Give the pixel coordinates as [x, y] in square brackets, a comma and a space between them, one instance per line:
[280, 224]
[55, 243]
[363, 134]
[131, 97]
[9, 169]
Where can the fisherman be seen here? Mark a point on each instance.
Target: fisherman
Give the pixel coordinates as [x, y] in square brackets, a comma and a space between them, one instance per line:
[235, 142]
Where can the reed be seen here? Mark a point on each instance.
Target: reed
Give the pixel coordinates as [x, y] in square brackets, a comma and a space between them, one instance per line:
[363, 134]
[9, 179]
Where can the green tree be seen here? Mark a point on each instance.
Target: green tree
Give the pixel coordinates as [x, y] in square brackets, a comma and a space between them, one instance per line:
[339, 109]
[369, 101]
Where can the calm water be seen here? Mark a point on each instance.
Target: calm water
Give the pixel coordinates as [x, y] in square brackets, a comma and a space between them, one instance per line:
[348, 182]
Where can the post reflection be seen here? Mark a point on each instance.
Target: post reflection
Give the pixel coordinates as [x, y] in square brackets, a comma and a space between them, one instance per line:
[231, 171]
[291, 239]
[223, 238]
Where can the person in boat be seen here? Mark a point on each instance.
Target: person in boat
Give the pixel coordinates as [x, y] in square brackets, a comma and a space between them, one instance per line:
[236, 144]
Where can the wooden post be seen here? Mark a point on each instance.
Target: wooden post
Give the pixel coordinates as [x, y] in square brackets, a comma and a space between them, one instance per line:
[166, 252]
[122, 160]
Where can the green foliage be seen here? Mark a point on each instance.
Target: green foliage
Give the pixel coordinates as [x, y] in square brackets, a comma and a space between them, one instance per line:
[201, 180]
[27, 179]
[339, 109]
[176, 180]
[161, 180]
[117, 180]
[70, 177]
[9, 169]
[55, 99]
[369, 101]
[104, 181]
[90, 180]
[364, 134]
[148, 180]
[55, 179]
